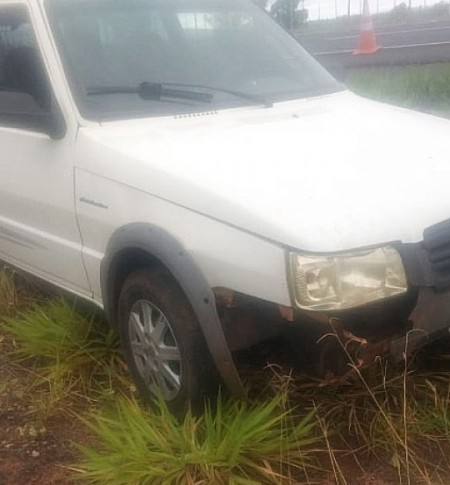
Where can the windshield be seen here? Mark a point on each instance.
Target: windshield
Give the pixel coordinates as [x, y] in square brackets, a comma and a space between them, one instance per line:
[132, 58]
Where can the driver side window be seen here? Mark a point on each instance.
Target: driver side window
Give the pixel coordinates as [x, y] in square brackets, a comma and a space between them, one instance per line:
[21, 67]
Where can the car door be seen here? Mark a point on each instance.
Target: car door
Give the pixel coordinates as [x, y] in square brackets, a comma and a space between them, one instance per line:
[38, 227]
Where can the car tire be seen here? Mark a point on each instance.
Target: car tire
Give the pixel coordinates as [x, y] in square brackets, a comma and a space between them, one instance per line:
[163, 343]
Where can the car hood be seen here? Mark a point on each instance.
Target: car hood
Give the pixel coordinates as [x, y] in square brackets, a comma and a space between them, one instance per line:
[327, 174]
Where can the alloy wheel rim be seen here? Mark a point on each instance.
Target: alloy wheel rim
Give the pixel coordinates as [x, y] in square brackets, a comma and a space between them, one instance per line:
[155, 350]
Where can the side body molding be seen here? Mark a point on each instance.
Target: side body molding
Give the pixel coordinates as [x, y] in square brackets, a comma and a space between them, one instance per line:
[159, 244]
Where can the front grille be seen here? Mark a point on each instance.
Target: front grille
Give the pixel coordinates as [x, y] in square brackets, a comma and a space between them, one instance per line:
[436, 242]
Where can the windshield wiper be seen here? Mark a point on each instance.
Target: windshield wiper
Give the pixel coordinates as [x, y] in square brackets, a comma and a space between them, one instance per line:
[152, 91]
[255, 98]
[156, 90]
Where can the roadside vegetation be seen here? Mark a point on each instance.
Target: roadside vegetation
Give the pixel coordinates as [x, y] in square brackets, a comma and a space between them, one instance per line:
[62, 384]
[422, 87]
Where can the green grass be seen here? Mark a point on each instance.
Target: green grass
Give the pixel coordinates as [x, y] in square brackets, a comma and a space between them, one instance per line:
[421, 87]
[231, 443]
[67, 351]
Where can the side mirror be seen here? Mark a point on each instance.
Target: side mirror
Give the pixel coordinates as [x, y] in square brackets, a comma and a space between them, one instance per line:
[20, 110]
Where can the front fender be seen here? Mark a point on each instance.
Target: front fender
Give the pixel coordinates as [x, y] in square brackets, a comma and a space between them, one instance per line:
[159, 244]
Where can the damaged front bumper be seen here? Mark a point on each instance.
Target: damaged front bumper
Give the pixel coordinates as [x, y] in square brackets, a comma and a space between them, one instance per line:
[427, 266]
[368, 334]
[429, 321]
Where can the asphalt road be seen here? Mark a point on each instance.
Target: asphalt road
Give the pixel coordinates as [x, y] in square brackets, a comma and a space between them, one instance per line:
[400, 44]
[403, 35]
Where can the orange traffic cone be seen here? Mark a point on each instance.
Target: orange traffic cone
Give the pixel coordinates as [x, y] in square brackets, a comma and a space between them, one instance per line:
[367, 40]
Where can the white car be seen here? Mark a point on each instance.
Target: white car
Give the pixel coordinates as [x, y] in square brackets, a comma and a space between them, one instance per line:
[188, 167]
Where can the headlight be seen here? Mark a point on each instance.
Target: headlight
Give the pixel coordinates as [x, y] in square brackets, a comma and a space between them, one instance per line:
[346, 280]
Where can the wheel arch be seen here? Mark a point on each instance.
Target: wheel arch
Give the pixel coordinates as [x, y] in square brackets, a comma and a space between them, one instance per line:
[137, 245]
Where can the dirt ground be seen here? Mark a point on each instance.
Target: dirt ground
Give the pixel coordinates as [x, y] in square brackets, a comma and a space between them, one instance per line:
[31, 451]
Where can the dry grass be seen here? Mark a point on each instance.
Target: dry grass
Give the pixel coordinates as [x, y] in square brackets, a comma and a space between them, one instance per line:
[17, 292]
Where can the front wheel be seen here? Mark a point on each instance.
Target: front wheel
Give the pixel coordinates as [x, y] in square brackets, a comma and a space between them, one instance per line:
[163, 343]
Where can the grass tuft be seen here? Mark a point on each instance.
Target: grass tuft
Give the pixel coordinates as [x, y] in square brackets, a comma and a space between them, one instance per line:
[69, 351]
[231, 443]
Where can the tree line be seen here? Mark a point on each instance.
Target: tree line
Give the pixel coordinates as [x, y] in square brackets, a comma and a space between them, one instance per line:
[286, 12]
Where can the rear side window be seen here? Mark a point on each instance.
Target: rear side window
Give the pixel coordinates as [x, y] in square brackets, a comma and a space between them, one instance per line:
[21, 66]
